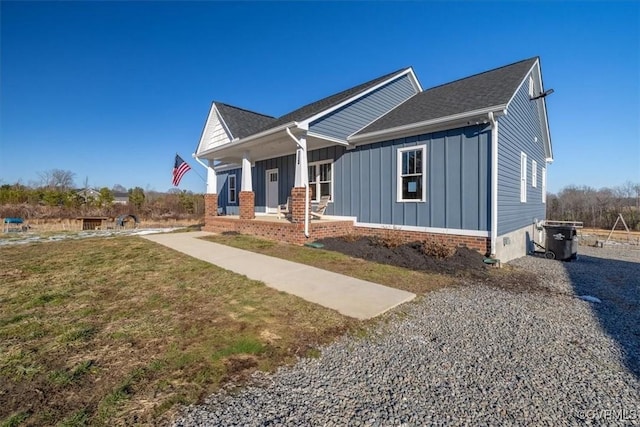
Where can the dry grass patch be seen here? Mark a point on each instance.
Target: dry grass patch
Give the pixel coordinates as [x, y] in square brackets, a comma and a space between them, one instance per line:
[121, 330]
[418, 282]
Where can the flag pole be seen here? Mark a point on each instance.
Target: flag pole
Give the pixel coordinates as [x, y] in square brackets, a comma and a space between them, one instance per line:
[192, 168]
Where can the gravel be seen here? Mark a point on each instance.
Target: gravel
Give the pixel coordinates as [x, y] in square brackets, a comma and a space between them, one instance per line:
[470, 355]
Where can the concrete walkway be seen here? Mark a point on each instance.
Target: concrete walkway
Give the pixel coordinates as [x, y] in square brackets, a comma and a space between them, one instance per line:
[347, 295]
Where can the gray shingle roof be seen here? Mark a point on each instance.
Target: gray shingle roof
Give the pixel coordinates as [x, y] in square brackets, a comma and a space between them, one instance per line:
[484, 90]
[316, 107]
[243, 122]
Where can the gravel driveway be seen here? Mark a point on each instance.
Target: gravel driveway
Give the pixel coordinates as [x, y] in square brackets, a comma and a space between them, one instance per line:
[471, 355]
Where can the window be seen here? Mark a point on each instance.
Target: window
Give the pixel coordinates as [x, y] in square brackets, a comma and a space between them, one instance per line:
[523, 177]
[320, 180]
[231, 188]
[534, 173]
[412, 177]
[544, 185]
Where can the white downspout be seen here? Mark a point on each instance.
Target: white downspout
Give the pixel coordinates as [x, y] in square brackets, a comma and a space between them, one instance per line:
[494, 183]
[303, 147]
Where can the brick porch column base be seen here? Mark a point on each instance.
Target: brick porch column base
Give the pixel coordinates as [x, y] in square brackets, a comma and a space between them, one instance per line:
[297, 203]
[210, 205]
[247, 205]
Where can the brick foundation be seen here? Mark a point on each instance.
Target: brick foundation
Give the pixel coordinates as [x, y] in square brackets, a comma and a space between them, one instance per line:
[280, 231]
[247, 205]
[293, 232]
[210, 205]
[480, 244]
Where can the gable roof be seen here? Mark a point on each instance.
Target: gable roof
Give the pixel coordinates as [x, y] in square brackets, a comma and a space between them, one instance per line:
[241, 122]
[316, 107]
[480, 91]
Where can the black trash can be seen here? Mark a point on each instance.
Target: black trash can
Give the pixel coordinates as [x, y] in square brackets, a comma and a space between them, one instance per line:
[561, 242]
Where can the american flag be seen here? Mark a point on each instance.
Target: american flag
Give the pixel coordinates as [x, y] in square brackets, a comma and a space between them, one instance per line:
[179, 169]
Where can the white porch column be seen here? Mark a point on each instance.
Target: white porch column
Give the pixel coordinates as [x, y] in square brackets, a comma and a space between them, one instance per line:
[246, 173]
[212, 179]
[302, 168]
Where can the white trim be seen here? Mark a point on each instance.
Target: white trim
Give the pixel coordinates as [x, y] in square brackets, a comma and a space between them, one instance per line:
[544, 117]
[534, 173]
[412, 127]
[408, 71]
[328, 138]
[235, 189]
[239, 142]
[317, 182]
[523, 177]
[212, 110]
[456, 231]
[399, 153]
[524, 79]
[341, 218]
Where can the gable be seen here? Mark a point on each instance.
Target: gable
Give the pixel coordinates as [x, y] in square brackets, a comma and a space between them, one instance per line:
[214, 133]
[475, 94]
[532, 84]
[350, 118]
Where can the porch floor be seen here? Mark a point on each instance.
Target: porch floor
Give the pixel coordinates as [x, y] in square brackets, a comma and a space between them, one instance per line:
[274, 218]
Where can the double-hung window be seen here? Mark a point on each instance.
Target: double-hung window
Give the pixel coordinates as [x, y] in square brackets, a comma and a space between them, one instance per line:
[412, 177]
[523, 177]
[320, 180]
[231, 188]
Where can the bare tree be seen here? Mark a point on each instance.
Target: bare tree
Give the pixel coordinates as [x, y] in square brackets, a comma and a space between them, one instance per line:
[57, 178]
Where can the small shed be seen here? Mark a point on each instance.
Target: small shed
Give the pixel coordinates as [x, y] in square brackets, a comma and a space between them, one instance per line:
[92, 222]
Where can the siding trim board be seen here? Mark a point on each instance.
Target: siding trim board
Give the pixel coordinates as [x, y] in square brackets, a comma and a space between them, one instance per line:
[435, 230]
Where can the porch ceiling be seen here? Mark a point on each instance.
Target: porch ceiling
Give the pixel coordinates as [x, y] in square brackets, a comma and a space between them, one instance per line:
[276, 145]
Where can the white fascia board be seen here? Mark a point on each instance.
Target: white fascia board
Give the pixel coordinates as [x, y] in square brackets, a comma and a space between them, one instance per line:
[422, 126]
[435, 230]
[545, 120]
[305, 123]
[414, 80]
[204, 128]
[328, 138]
[213, 110]
[240, 142]
[524, 79]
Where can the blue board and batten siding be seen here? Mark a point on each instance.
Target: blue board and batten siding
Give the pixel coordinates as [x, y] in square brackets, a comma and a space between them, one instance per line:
[519, 131]
[223, 191]
[357, 114]
[365, 181]
[457, 182]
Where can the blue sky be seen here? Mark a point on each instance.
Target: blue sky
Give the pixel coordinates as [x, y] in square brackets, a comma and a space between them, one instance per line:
[112, 90]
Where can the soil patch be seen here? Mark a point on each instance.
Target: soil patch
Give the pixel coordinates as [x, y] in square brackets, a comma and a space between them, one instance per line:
[462, 262]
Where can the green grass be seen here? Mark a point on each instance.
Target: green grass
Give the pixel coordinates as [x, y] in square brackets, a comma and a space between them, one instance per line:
[417, 282]
[122, 331]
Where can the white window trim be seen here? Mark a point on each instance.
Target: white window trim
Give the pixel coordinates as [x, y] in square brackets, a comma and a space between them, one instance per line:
[523, 177]
[399, 152]
[534, 174]
[544, 184]
[317, 178]
[235, 188]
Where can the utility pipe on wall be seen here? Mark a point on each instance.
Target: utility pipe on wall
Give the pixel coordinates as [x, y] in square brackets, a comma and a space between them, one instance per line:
[302, 154]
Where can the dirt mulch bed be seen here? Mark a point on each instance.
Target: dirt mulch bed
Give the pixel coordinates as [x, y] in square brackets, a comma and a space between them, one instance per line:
[463, 262]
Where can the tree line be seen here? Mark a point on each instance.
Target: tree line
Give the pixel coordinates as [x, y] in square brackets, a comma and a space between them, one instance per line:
[56, 196]
[596, 208]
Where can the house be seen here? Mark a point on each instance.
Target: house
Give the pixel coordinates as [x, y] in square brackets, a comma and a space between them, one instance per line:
[463, 163]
